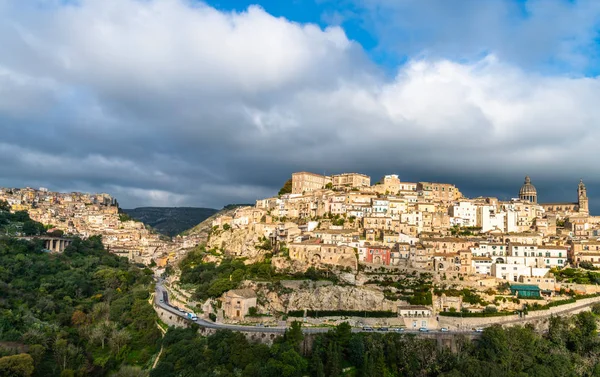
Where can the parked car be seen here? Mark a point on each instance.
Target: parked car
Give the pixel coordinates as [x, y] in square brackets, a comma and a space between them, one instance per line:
[479, 329]
[444, 329]
[161, 300]
[367, 328]
[260, 325]
[382, 329]
[399, 329]
[424, 329]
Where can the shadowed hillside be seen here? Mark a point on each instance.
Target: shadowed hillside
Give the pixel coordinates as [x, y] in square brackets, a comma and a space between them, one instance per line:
[170, 220]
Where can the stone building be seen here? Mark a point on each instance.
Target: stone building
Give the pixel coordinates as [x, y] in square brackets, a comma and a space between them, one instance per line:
[529, 193]
[350, 180]
[307, 182]
[237, 302]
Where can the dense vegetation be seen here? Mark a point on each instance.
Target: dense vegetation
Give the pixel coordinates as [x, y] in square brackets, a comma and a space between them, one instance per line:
[170, 220]
[18, 223]
[81, 312]
[572, 275]
[570, 348]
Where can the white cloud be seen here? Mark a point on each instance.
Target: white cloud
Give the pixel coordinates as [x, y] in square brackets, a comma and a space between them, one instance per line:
[160, 102]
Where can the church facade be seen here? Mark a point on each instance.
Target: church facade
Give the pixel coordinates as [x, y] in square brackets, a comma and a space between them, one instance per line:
[528, 193]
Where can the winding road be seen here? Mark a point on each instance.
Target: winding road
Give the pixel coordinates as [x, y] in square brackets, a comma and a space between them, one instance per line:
[161, 299]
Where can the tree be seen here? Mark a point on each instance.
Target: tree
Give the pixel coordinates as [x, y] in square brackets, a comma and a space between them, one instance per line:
[33, 228]
[102, 332]
[118, 338]
[4, 206]
[343, 334]
[333, 367]
[287, 187]
[294, 335]
[587, 265]
[78, 318]
[16, 366]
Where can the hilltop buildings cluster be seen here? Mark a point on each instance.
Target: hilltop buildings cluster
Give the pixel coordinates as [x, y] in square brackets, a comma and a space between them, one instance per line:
[342, 220]
[87, 215]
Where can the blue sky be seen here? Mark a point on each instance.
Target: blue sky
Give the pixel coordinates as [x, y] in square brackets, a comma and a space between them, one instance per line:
[185, 103]
[392, 32]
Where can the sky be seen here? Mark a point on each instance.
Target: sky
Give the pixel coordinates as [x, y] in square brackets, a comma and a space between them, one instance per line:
[191, 103]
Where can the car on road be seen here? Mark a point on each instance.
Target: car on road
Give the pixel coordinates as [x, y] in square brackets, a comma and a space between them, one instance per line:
[479, 329]
[367, 328]
[382, 329]
[399, 329]
[444, 329]
[260, 325]
[161, 300]
[424, 329]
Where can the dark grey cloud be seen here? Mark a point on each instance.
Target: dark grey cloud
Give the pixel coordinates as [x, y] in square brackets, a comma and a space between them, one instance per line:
[160, 103]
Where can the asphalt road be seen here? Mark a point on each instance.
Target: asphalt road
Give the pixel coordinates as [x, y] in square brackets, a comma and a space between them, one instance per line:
[162, 292]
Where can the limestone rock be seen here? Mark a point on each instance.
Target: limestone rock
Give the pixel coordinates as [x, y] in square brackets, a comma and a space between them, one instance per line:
[323, 297]
[239, 243]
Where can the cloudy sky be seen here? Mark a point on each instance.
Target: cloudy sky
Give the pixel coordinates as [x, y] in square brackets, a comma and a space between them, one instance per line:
[181, 102]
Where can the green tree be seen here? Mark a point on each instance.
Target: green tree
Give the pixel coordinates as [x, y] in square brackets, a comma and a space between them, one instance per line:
[4, 206]
[333, 366]
[287, 187]
[293, 335]
[16, 366]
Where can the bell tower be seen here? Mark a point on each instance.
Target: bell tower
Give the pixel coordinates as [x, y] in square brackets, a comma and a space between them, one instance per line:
[582, 198]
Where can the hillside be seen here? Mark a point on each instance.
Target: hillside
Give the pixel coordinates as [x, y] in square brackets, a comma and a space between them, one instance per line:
[84, 312]
[170, 220]
[204, 228]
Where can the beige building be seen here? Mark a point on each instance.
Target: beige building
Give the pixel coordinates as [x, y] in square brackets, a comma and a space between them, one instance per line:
[307, 182]
[350, 180]
[444, 192]
[449, 245]
[585, 251]
[237, 302]
[318, 254]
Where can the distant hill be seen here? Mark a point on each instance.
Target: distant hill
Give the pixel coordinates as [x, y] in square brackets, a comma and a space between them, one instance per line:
[203, 228]
[170, 220]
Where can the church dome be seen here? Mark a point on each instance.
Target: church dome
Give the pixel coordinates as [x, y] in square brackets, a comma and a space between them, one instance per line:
[528, 191]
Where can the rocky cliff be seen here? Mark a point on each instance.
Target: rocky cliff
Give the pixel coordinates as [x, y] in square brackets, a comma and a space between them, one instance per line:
[297, 295]
[238, 243]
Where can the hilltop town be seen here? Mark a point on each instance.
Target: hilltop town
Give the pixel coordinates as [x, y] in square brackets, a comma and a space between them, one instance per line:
[424, 225]
[85, 215]
[339, 244]
[474, 255]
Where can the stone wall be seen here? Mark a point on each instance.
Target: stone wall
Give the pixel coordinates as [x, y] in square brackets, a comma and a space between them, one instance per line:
[536, 317]
[169, 318]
